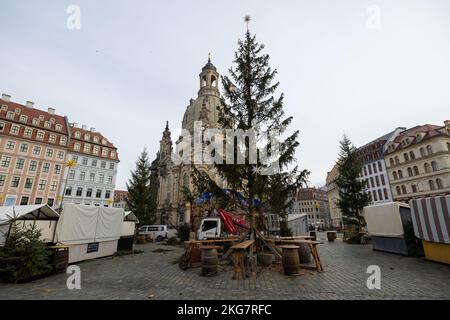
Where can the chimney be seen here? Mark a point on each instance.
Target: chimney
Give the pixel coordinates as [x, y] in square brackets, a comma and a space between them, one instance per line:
[30, 104]
[75, 125]
[6, 97]
[51, 111]
[92, 129]
[84, 127]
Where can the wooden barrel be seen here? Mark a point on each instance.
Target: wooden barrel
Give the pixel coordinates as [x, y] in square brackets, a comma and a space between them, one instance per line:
[331, 235]
[265, 259]
[140, 239]
[304, 253]
[210, 260]
[290, 259]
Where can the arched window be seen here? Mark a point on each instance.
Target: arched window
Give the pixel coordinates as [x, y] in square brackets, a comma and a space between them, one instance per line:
[412, 156]
[416, 170]
[391, 161]
[406, 157]
[395, 175]
[426, 166]
[397, 160]
[413, 188]
[410, 172]
[397, 188]
[186, 180]
[434, 166]
[400, 174]
[432, 186]
[429, 150]
[439, 184]
[204, 81]
[422, 152]
[403, 189]
[213, 81]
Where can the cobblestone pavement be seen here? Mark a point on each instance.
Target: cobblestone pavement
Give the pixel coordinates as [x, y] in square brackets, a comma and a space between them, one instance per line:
[154, 275]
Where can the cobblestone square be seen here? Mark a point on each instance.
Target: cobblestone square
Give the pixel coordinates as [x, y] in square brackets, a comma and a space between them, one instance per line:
[154, 275]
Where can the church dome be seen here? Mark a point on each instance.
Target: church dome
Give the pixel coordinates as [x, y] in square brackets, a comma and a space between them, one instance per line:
[209, 66]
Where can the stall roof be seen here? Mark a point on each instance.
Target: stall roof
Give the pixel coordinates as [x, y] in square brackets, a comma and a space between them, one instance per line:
[130, 216]
[29, 212]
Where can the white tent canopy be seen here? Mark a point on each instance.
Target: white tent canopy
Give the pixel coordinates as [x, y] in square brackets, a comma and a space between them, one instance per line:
[29, 212]
[130, 216]
[384, 219]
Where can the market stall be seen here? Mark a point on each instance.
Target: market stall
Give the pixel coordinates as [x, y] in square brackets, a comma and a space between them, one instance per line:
[40, 215]
[390, 228]
[431, 220]
[90, 231]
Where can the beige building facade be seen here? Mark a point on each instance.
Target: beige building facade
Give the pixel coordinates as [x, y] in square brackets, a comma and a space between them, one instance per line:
[333, 196]
[418, 162]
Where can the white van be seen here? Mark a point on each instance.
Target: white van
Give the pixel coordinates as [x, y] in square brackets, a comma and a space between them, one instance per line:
[159, 232]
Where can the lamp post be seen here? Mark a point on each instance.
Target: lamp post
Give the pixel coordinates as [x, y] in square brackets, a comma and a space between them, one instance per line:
[69, 164]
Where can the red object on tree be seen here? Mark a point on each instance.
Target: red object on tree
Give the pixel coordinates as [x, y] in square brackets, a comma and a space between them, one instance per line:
[232, 222]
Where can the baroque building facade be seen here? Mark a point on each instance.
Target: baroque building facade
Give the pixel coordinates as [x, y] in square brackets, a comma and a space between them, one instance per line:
[172, 177]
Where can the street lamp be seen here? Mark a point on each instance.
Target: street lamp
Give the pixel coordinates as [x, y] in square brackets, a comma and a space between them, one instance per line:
[69, 164]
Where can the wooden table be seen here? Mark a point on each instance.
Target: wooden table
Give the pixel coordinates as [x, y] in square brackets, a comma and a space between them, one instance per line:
[239, 256]
[190, 244]
[313, 247]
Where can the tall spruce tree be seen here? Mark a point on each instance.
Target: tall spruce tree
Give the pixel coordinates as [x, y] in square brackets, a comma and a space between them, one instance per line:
[248, 102]
[140, 197]
[352, 198]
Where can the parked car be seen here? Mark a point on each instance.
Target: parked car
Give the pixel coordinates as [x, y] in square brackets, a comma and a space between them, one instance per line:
[159, 232]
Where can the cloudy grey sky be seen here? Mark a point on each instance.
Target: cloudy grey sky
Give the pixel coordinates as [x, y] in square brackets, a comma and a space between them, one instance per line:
[134, 64]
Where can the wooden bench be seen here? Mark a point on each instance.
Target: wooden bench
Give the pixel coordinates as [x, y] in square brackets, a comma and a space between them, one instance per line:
[313, 247]
[239, 257]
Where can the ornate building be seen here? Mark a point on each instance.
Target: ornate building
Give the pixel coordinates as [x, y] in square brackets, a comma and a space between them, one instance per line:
[172, 208]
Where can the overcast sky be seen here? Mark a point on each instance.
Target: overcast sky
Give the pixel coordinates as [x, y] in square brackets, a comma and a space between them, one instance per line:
[135, 64]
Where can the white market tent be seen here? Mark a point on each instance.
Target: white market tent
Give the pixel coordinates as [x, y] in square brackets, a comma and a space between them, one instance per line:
[41, 215]
[384, 219]
[298, 223]
[89, 231]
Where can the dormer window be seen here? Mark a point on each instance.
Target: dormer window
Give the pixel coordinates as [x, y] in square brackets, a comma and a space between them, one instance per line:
[47, 125]
[10, 115]
[104, 141]
[87, 137]
[77, 135]
[58, 127]
[17, 110]
[52, 120]
[35, 121]
[96, 139]
[41, 117]
[4, 107]
[23, 118]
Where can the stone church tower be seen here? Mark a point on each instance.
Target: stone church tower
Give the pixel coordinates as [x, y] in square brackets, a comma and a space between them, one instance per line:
[171, 206]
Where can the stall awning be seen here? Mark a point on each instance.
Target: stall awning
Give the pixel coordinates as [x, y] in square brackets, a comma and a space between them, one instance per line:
[130, 216]
[28, 212]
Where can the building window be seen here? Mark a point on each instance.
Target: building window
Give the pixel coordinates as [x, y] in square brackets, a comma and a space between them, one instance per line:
[20, 163]
[107, 194]
[35, 122]
[92, 177]
[49, 153]
[113, 155]
[370, 169]
[395, 175]
[95, 139]
[23, 118]
[380, 195]
[10, 145]
[377, 180]
[77, 135]
[383, 182]
[410, 172]
[413, 188]
[71, 174]
[429, 150]
[47, 125]
[434, 166]
[36, 150]
[391, 162]
[27, 132]
[33, 165]
[104, 152]
[24, 201]
[62, 140]
[380, 167]
[89, 192]
[2, 126]
[76, 147]
[14, 130]
[60, 155]
[40, 135]
[400, 174]
[111, 166]
[103, 164]
[10, 115]
[397, 189]
[2, 180]
[57, 169]
[53, 186]
[374, 195]
[82, 176]
[50, 202]
[403, 189]
[6, 161]
[98, 194]
[15, 182]
[68, 191]
[58, 127]
[431, 184]
[110, 179]
[412, 155]
[38, 201]
[439, 184]
[52, 138]
[85, 161]
[46, 167]
[422, 152]
[397, 160]
[95, 150]
[374, 167]
[365, 171]
[94, 162]
[406, 157]
[24, 147]
[385, 193]
[87, 137]
[42, 184]
[79, 191]
[101, 178]
[75, 158]
[416, 170]
[427, 168]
